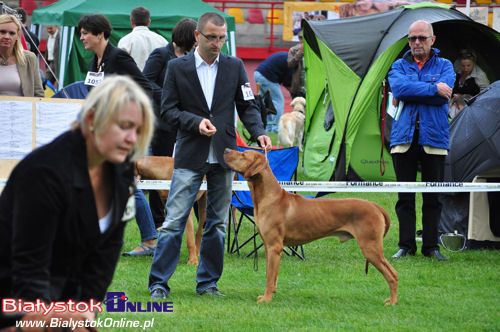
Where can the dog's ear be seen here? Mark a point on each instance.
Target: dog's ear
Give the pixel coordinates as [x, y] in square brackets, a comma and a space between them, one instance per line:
[258, 165]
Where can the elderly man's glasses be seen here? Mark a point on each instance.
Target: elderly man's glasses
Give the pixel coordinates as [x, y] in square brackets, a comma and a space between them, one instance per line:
[214, 39]
[420, 38]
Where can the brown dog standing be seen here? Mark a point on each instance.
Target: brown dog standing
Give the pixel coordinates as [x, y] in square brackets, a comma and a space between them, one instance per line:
[285, 219]
[162, 168]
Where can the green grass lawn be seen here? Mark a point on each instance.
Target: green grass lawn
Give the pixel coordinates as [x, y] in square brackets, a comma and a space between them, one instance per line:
[329, 291]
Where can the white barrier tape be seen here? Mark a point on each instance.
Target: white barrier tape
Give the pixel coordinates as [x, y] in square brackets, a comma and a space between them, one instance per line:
[351, 186]
[345, 186]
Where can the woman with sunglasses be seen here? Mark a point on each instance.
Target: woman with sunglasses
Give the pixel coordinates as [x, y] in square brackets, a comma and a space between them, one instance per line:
[470, 78]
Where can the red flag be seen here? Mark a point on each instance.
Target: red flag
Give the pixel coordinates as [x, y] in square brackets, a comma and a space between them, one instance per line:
[23, 40]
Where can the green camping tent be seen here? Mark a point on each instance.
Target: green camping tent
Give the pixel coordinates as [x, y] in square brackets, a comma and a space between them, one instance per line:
[347, 61]
[164, 16]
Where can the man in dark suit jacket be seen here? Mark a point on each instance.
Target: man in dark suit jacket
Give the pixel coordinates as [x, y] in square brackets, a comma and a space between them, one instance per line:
[52, 53]
[200, 92]
[155, 70]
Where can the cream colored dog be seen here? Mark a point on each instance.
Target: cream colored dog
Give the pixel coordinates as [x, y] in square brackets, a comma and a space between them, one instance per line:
[291, 125]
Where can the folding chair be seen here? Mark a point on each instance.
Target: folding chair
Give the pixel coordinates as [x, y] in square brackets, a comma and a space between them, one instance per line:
[283, 163]
[76, 90]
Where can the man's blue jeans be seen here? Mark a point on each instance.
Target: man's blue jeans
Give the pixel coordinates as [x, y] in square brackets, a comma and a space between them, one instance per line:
[185, 185]
[276, 96]
[143, 217]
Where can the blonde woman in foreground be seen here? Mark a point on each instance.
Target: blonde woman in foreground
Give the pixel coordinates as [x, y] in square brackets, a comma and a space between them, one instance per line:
[65, 205]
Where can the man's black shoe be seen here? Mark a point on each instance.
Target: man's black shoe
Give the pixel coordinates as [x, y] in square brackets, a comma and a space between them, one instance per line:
[437, 254]
[211, 291]
[158, 293]
[403, 252]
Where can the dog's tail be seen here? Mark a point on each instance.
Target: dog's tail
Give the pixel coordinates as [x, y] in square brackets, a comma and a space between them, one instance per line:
[387, 222]
[387, 219]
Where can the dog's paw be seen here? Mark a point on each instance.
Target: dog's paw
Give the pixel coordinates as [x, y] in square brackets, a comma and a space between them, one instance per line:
[388, 302]
[192, 261]
[263, 298]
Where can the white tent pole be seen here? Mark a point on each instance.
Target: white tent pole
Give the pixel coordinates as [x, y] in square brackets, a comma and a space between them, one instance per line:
[62, 56]
[66, 42]
[232, 51]
[467, 8]
[232, 42]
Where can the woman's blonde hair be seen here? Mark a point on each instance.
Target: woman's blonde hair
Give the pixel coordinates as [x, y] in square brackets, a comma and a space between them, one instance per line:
[109, 98]
[18, 48]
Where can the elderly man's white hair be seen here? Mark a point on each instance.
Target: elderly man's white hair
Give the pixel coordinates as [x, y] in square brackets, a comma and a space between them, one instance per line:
[429, 26]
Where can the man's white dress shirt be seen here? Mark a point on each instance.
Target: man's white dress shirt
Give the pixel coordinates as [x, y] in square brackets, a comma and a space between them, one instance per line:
[207, 74]
[140, 43]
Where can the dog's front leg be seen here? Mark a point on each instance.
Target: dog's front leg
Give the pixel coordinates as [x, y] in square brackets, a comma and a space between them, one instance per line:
[273, 258]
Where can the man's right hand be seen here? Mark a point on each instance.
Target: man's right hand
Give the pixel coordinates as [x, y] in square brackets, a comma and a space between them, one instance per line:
[444, 90]
[265, 142]
[207, 128]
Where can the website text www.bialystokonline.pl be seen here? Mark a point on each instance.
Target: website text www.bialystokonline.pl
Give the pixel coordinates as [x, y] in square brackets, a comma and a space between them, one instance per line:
[97, 323]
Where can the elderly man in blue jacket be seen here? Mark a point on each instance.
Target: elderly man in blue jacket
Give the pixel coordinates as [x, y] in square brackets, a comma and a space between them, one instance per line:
[423, 81]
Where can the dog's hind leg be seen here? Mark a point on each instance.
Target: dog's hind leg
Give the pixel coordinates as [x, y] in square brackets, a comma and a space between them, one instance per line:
[374, 255]
[193, 257]
[394, 288]
[202, 217]
[273, 258]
